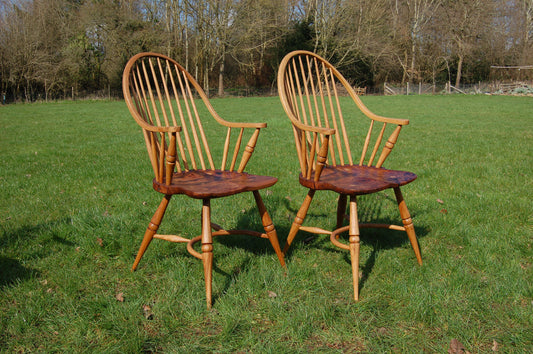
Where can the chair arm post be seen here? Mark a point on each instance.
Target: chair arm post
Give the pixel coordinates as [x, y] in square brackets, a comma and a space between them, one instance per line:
[389, 145]
[248, 150]
[171, 159]
[321, 157]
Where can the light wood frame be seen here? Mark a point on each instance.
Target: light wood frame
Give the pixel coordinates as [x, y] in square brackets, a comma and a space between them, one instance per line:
[313, 92]
[169, 105]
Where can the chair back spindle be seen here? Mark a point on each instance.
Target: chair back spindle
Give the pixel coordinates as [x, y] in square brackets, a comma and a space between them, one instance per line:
[317, 96]
[169, 105]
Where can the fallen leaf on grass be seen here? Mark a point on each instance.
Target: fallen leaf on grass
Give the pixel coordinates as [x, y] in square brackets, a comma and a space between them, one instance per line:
[440, 201]
[272, 294]
[120, 297]
[382, 331]
[100, 242]
[147, 311]
[495, 345]
[456, 347]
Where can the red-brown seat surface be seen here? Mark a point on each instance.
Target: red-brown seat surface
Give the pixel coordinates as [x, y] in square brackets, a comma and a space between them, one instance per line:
[213, 183]
[357, 180]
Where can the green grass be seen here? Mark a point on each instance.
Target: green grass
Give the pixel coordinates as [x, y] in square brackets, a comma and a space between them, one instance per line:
[75, 198]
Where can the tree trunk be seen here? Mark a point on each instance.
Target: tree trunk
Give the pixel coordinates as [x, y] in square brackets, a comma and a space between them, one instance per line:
[221, 80]
[459, 69]
[413, 62]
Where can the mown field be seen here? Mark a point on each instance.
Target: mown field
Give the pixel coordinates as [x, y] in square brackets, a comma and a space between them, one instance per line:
[76, 197]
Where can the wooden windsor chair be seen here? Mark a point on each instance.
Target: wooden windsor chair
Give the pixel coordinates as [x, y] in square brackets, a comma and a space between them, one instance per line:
[169, 105]
[313, 94]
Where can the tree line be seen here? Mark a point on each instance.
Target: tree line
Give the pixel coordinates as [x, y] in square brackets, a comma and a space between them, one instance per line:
[56, 48]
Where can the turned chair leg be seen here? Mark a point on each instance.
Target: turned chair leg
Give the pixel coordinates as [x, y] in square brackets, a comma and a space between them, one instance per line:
[341, 209]
[269, 227]
[207, 250]
[299, 219]
[151, 229]
[408, 223]
[353, 232]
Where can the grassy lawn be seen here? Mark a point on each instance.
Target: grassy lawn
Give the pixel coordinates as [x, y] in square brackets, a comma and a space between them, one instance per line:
[76, 197]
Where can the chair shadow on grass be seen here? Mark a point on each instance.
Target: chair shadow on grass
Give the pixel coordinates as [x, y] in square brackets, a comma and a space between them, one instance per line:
[11, 269]
[369, 211]
[250, 219]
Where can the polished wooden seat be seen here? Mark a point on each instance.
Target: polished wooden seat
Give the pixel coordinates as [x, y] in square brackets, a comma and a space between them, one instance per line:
[170, 106]
[357, 180]
[213, 183]
[317, 99]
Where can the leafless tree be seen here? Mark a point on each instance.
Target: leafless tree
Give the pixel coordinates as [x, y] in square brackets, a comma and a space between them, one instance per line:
[51, 46]
[411, 19]
[462, 25]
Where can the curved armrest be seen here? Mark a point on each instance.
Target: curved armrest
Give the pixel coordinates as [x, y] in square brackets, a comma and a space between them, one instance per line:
[241, 124]
[156, 129]
[173, 129]
[367, 112]
[310, 128]
[378, 118]
[230, 124]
